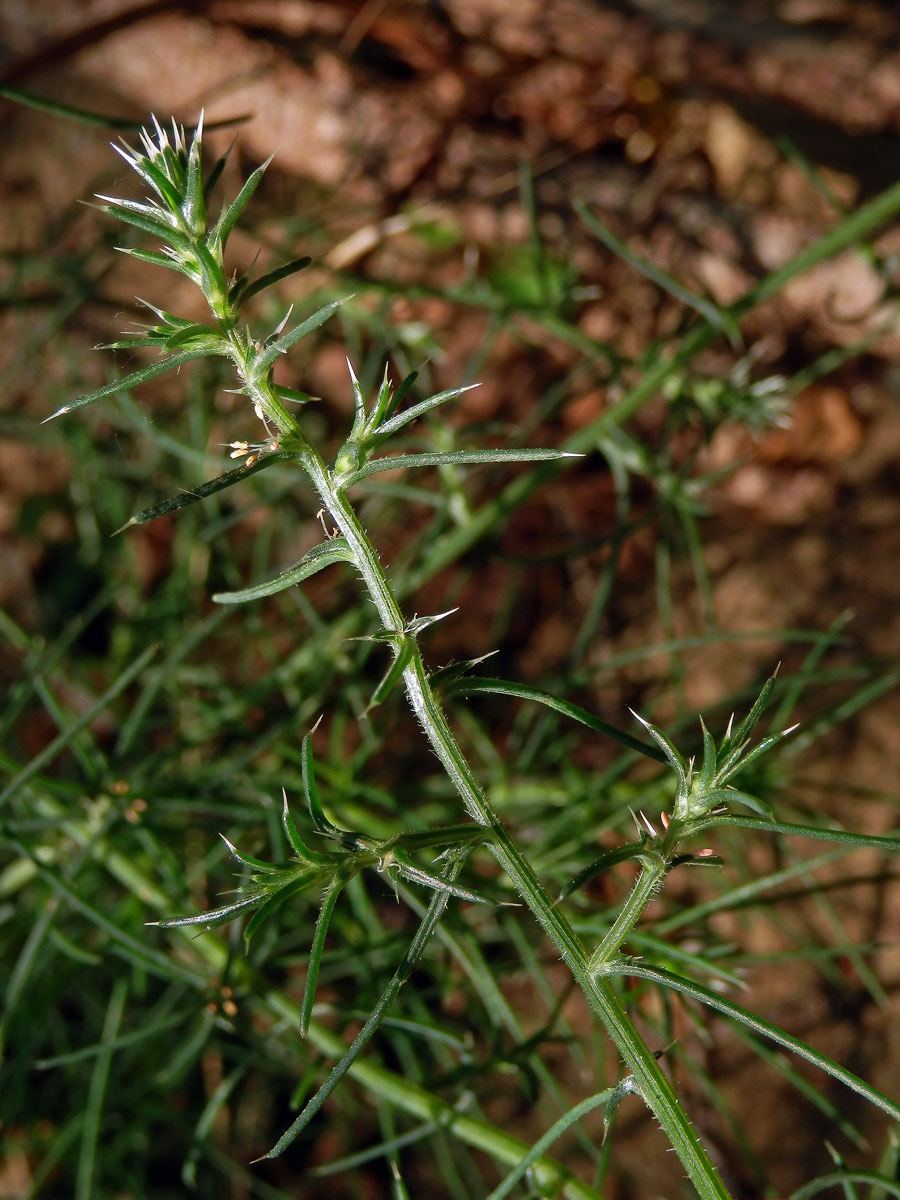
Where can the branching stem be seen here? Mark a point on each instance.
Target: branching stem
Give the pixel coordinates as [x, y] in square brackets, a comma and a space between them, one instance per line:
[651, 1082]
[178, 216]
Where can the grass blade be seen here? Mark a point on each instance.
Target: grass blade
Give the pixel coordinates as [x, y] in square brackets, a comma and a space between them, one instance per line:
[841, 1178]
[85, 1185]
[718, 318]
[60, 742]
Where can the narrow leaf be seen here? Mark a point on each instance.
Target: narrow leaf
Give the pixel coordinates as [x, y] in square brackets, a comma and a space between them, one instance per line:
[202, 490]
[216, 173]
[158, 229]
[275, 901]
[311, 792]
[359, 401]
[314, 560]
[417, 624]
[454, 458]
[412, 414]
[166, 318]
[394, 672]
[381, 405]
[194, 206]
[611, 858]
[442, 678]
[216, 341]
[293, 394]
[152, 175]
[623, 1089]
[437, 884]
[399, 395]
[156, 259]
[732, 746]
[282, 272]
[708, 768]
[317, 949]
[296, 842]
[714, 1000]
[746, 759]
[672, 756]
[611, 1096]
[216, 916]
[230, 212]
[730, 795]
[467, 685]
[444, 835]
[719, 318]
[247, 860]
[890, 845]
[132, 341]
[132, 380]
[265, 360]
[213, 282]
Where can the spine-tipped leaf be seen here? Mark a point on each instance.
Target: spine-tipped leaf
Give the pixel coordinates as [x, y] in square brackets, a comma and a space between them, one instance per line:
[271, 353]
[417, 410]
[194, 205]
[296, 842]
[732, 746]
[136, 377]
[201, 491]
[217, 916]
[231, 212]
[134, 216]
[311, 792]
[264, 281]
[395, 671]
[524, 691]
[472, 458]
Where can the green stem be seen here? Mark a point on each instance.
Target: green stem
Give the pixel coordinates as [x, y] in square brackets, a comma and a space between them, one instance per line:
[648, 883]
[650, 1081]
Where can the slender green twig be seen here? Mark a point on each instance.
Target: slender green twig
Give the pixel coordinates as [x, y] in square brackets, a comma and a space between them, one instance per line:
[176, 213]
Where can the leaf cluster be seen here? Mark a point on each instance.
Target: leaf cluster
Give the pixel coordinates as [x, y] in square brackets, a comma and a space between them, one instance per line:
[701, 789]
[270, 884]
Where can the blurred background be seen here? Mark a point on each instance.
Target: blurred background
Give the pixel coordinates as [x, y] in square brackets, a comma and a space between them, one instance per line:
[436, 160]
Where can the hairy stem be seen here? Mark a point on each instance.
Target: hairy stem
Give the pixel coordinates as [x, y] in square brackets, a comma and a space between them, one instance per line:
[648, 883]
[650, 1081]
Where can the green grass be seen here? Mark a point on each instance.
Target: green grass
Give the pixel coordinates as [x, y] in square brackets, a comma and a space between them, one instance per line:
[417, 995]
